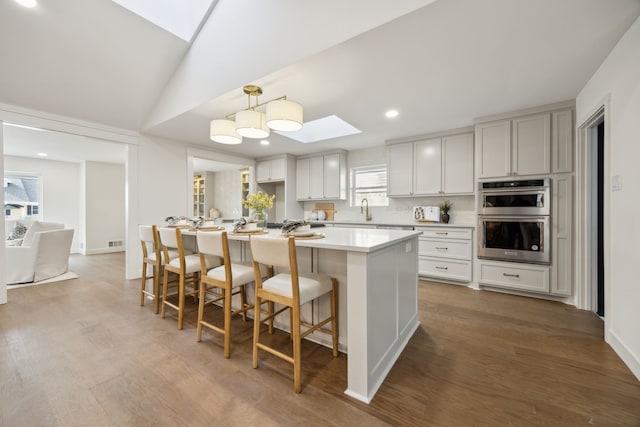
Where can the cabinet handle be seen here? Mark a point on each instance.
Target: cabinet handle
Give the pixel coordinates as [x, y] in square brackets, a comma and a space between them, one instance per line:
[444, 233]
[510, 275]
[443, 248]
[442, 268]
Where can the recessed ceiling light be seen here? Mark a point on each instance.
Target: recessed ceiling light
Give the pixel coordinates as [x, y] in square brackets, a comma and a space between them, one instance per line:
[391, 114]
[264, 142]
[27, 3]
[42, 154]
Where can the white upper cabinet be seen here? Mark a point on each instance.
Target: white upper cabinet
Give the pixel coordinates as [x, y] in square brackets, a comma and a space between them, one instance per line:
[302, 179]
[321, 177]
[493, 142]
[531, 145]
[457, 164]
[520, 146]
[562, 141]
[316, 178]
[427, 166]
[271, 170]
[400, 169]
[435, 166]
[331, 171]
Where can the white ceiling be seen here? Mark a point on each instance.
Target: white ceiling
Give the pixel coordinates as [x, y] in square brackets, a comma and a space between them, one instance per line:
[440, 65]
[60, 146]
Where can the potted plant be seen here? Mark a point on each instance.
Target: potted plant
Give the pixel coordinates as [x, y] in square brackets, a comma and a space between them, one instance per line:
[445, 207]
[258, 202]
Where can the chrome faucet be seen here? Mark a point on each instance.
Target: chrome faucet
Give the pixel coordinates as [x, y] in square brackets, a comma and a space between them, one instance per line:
[365, 209]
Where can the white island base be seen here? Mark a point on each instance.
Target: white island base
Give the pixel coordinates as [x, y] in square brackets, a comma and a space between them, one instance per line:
[377, 273]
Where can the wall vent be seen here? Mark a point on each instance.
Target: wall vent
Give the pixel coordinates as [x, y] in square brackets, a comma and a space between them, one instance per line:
[115, 243]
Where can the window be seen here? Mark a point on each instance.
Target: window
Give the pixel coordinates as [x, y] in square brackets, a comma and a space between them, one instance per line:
[21, 196]
[369, 182]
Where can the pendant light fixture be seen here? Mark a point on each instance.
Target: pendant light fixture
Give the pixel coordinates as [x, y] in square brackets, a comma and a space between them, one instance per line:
[281, 115]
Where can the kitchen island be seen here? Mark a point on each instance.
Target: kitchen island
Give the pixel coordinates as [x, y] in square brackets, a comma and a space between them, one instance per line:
[377, 272]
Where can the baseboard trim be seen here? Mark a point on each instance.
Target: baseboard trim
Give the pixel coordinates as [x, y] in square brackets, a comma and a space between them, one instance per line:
[103, 250]
[628, 357]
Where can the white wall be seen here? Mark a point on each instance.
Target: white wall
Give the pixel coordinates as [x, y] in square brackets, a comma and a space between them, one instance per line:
[619, 77]
[400, 208]
[61, 189]
[105, 206]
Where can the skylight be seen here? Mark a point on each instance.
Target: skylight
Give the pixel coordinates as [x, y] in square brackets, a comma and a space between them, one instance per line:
[325, 128]
[180, 18]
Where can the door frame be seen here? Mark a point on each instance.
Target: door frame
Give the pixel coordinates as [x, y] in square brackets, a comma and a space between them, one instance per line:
[586, 215]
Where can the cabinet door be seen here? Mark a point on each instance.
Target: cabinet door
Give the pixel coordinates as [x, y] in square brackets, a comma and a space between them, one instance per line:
[494, 149]
[531, 147]
[457, 164]
[302, 179]
[278, 169]
[316, 177]
[427, 167]
[561, 236]
[562, 141]
[332, 176]
[400, 169]
[263, 171]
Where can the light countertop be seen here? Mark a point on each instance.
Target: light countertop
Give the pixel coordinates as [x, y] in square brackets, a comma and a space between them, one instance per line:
[386, 223]
[342, 239]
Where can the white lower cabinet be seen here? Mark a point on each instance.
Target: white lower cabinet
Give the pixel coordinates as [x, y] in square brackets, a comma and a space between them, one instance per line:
[525, 277]
[445, 253]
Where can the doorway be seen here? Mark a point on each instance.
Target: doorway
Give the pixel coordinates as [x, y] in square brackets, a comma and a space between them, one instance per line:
[592, 201]
[597, 285]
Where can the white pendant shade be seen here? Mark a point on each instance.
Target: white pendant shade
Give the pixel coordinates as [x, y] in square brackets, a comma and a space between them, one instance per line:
[224, 132]
[251, 123]
[284, 115]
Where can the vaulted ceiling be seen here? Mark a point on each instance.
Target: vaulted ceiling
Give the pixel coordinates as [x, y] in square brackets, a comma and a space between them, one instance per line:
[440, 63]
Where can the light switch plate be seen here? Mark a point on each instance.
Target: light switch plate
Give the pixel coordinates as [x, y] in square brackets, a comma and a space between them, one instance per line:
[616, 183]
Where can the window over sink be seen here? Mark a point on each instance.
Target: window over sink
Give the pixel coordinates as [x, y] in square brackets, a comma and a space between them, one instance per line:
[369, 182]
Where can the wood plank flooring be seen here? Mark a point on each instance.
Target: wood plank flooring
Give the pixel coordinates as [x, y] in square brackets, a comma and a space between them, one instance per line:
[83, 352]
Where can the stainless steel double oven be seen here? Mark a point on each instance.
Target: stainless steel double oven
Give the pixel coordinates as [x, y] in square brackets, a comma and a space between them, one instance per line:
[514, 220]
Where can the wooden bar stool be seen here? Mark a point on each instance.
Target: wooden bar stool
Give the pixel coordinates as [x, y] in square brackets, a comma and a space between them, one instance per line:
[151, 256]
[291, 290]
[229, 277]
[186, 266]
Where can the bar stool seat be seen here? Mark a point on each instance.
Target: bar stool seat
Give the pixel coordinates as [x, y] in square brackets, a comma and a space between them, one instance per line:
[311, 286]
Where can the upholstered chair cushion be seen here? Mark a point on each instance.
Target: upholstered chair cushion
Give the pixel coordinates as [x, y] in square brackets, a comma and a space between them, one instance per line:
[241, 274]
[311, 285]
[191, 263]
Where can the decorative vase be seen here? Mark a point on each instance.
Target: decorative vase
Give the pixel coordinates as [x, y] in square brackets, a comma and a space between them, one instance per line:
[261, 218]
[445, 218]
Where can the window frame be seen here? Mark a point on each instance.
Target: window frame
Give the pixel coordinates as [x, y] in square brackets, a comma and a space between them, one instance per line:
[354, 190]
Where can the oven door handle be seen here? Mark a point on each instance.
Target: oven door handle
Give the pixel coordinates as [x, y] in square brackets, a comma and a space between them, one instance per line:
[512, 218]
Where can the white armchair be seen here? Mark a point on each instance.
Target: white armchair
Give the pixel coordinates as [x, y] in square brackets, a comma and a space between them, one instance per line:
[44, 254]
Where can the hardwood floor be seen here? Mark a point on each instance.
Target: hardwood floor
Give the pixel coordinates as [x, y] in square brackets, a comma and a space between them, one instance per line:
[83, 352]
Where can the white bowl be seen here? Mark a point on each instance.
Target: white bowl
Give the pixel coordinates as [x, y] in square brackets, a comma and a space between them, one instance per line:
[303, 228]
[250, 226]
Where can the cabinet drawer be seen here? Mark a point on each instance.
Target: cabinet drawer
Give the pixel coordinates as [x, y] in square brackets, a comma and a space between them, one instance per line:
[525, 277]
[445, 233]
[444, 269]
[445, 248]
